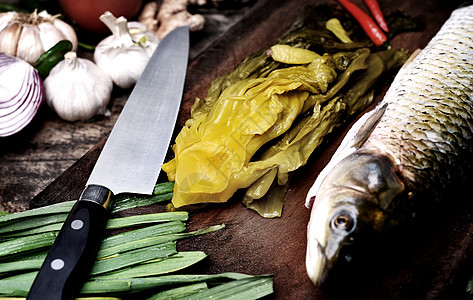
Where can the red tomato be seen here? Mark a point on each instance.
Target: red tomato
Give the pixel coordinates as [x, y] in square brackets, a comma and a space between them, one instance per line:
[86, 13]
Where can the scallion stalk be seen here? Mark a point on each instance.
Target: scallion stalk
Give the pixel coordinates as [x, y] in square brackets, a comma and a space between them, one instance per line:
[146, 219]
[171, 264]
[243, 289]
[136, 261]
[26, 244]
[132, 258]
[179, 292]
[33, 222]
[137, 234]
[136, 244]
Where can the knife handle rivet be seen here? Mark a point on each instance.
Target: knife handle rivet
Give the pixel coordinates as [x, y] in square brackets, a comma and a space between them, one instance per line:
[57, 264]
[77, 224]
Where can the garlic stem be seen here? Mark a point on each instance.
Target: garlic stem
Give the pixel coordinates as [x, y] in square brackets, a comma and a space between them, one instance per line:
[109, 20]
[123, 34]
[119, 29]
[70, 59]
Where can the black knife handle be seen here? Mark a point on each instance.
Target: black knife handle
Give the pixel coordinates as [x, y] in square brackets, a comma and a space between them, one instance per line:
[74, 251]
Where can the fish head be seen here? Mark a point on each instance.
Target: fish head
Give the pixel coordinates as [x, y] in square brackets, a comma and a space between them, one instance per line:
[351, 207]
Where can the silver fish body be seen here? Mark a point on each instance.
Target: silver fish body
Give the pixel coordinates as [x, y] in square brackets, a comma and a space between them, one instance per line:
[412, 146]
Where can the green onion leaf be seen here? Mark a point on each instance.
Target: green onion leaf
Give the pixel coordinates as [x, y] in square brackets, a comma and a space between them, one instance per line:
[154, 230]
[171, 264]
[132, 258]
[243, 289]
[27, 244]
[62, 207]
[32, 223]
[146, 219]
[179, 292]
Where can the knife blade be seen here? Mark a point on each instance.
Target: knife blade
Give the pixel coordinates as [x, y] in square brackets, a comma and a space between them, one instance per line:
[129, 162]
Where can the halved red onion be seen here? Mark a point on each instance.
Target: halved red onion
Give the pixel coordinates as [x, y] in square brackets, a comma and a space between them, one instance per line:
[21, 94]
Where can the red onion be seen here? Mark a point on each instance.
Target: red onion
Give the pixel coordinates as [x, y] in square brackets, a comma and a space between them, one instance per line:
[21, 94]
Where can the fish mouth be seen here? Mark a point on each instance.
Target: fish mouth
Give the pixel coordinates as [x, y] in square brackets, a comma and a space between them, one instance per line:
[316, 262]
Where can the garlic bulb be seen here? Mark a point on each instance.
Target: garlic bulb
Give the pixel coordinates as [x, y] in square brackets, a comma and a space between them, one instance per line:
[27, 36]
[76, 89]
[124, 54]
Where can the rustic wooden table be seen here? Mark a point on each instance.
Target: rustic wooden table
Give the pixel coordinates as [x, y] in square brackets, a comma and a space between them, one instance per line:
[33, 158]
[434, 262]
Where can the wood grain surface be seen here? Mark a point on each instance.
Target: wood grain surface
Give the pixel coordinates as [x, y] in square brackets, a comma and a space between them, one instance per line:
[432, 262]
[31, 159]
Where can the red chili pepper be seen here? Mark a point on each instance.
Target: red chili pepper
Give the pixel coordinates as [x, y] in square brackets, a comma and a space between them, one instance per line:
[376, 35]
[375, 10]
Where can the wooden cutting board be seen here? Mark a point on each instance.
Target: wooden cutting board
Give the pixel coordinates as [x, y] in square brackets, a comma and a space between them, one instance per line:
[432, 264]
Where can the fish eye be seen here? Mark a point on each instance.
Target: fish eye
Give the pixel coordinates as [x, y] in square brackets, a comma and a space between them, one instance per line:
[343, 221]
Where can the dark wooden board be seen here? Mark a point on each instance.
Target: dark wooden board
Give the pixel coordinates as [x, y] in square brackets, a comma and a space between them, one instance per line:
[430, 267]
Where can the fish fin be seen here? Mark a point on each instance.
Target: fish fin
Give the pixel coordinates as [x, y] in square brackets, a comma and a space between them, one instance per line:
[368, 126]
[353, 140]
[411, 57]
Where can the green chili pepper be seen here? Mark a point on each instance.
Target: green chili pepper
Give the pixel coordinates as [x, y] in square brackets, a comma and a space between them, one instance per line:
[52, 57]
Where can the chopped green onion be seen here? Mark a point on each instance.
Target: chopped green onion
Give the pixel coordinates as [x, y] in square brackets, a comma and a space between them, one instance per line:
[164, 189]
[18, 285]
[32, 231]
[133, 258]
[27, 244]
[132, 201]
[243, 289]
[159, 267]
[136, 244]
[162, 192]
[62, 207]
[146, 219]
[135, 261]
[33, 223]
[154, 230]
[144, 284]
[14, 266]
[179, 292]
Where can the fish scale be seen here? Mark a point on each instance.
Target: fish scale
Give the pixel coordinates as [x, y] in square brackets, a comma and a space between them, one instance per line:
[411, 147]
[443, 125]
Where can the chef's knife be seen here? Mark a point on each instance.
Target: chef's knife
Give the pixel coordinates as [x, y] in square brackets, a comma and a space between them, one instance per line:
[129, 162]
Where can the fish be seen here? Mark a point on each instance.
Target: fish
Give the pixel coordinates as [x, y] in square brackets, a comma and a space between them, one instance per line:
[410, 148]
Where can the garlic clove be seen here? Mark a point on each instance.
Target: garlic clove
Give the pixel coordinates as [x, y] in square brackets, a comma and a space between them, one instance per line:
[61, 28]
[67, 31]
[9, 37]
[49, 35]
[30, 47]
[5, 18]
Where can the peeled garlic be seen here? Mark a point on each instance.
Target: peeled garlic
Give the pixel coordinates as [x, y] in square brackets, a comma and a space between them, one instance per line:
[124, 54]
[76, 89]
[27, 36]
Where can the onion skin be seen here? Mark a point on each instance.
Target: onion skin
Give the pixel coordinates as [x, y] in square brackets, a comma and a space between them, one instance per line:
[21, 94]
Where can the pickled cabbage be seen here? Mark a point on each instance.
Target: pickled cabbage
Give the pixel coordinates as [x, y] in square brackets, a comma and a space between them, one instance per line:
[264, 119]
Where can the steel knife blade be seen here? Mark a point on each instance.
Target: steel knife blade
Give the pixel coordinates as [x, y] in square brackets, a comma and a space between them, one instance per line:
[129, 162]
